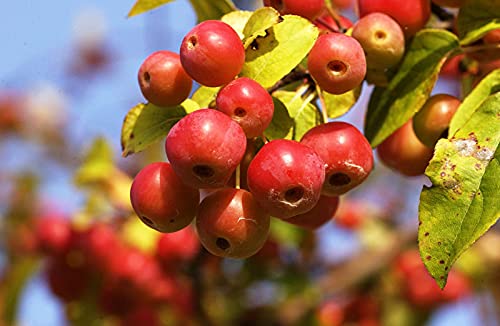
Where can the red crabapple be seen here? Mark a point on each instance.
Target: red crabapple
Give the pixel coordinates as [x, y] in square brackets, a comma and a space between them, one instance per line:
[161, 200]
[212, 53]
[205, 147]
[433, 119]
[162, 79]
[404, 152]
[346, 152]
[53, 234]
[412, 15]
[337, 63]
[309, 9]
[247, 103]
[321, 213]
[286, 178]
[382, 40]
[232, 224]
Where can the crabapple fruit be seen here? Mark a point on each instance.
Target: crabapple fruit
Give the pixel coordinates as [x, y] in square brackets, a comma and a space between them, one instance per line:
[337, 63]
[205, 147]
[404, 152]
[347, 155]
[212, 53]
[412, 15]
[162, 79]
[433, 119]
[247, 103]
[286, 177]
[161, 200]
[321, 213]
[382, 40]
[232, 224]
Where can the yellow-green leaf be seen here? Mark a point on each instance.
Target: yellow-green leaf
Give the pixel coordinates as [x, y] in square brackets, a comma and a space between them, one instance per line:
[205, 96]
[141, 6]
[338, 105]
[393, 106]
[463, 201]
[488, 85]
[271, 57]
[476, 18]
[237, 20]
[257, 24]
[282, 124]
[148, 123]
[97, 163]
[305, 115]
[213, 9]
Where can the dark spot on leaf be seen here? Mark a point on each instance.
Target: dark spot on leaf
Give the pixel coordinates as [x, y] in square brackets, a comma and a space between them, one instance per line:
[132, 136]
[428, 257]
[441, 277]
[426, 234]
[419, 223]
[254, 45]
[441, 262]
[439, 243]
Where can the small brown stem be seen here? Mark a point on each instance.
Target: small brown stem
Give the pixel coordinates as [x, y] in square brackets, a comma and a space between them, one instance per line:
[323, 105]
[238, 177]
[481, 47]
[264, 139]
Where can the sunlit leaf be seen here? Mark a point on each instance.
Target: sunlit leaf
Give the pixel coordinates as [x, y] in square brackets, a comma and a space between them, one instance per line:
[237, 20]
[213, 9]
[338, 105]
[476, 18]
[393, 106]
[148, 123]
[282, 124]
[142, 6]
[269, 58]
[462, 203]
[97, 163]
[304, 114]
[487, 86]
[257, 24]
[205, 96]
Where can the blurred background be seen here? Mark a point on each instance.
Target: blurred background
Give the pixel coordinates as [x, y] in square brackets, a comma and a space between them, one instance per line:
[68, 76]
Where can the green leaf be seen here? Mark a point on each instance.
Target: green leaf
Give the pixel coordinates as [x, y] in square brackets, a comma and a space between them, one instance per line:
[282, 123]
[213, 9]
[476, 18]
[488, 85]
[338, 105]
[14, 281]
[148, 123]
[462, 203]
[237, 20]
[286, 233]
[258, 23]
[97, 164]
[283, 47]
[392, 107]
[205, 96]
[304, 114]
[141, 6]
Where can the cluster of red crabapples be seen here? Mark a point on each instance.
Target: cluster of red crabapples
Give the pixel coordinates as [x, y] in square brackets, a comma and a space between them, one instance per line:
[126, 283]
[216, 149]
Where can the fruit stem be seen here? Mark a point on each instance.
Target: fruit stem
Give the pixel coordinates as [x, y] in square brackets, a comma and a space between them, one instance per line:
[481, 47]
[238, 177]
[264, 139]
[324, 23]
[323, 105]
[336, 17]
[292, 77]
